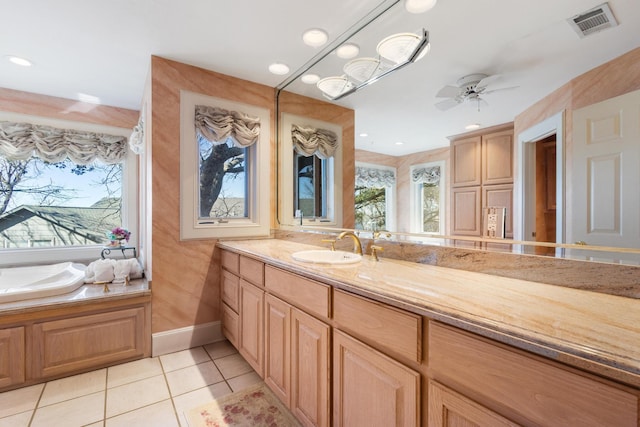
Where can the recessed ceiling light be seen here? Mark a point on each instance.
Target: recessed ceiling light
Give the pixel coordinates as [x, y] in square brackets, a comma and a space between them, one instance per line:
[399, 143]
[279, 68]
[315, 37]
[419, 6]
[20, 61]
[364, 135]
[348, 51]
[472, 126]
[310, 79]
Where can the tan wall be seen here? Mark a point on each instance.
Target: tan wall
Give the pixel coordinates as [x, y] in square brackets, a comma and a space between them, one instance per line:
[320, 110]
[403, 182]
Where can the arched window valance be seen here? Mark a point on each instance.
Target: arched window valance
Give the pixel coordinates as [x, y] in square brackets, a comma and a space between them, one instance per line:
[136, 140]
[20, 141]
[308, 141]
[426, 175]
[373, 177]
[217, 124]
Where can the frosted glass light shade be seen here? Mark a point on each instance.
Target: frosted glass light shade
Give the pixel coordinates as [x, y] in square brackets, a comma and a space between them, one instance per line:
[362, 69]
[334, 86]
[399, 47]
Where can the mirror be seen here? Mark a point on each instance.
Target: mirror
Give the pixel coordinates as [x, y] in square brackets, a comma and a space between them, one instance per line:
[399, 108]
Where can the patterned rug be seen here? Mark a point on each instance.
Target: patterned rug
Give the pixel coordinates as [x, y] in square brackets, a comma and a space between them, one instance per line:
[255, 406]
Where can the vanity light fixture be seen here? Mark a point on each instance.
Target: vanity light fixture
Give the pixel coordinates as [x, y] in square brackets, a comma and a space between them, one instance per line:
[315, 37]
[19, 61]
[348, 51]
[362, 69]
[419, 6]
[278, 68]
[335, 86]
[399, 50]
[310, 79]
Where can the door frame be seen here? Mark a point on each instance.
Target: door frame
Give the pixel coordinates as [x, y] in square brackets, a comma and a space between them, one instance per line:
[524, 182]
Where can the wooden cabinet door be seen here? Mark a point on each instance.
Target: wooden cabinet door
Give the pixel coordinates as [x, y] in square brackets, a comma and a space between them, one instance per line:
[310, 373]
[371, 389]
[466, 211]
[12, 356]
[277, 342]
[466, 160]
[251, 326]
[450, 409]
[500, 196]
[497, 158]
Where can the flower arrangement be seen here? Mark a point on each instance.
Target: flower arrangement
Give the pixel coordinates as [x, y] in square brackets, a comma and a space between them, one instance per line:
[119, 233]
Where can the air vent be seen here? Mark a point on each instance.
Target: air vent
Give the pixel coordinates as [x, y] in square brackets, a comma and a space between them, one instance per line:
[597, 19]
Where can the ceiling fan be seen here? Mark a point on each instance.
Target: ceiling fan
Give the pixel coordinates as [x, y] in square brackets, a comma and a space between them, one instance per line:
[469, 89]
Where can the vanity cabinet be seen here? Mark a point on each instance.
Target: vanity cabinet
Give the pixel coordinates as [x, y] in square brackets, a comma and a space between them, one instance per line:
[297, 345]
[250, 321]
[12, 356]
[482, 176]
[476, 379]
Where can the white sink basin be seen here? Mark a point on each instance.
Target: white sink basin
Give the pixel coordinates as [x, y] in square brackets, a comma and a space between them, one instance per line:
[324, 256]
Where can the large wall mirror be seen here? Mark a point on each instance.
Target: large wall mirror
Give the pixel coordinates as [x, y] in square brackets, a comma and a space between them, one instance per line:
[404, 119]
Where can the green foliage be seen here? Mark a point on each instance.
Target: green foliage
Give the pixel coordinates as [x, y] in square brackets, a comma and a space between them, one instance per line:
[370, 207]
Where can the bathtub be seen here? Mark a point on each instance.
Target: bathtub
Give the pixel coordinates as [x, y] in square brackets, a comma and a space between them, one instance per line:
[20, 283]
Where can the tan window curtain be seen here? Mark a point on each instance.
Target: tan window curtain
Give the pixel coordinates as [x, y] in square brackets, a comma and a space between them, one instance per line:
[217, 125]
[308, 141]
[373, 177]
[428, 175]
[20, 141]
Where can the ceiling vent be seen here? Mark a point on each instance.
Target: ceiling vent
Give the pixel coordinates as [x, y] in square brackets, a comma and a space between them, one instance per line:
[597, 19]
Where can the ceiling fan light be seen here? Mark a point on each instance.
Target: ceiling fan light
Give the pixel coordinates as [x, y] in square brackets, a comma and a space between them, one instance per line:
[398, 48]
[419, 6]
[362, 69]
[334, 86]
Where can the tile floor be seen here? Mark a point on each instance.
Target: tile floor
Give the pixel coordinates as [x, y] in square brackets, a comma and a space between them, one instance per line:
[149, 392]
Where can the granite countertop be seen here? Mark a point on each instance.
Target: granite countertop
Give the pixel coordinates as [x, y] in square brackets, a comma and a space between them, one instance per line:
[593, 331]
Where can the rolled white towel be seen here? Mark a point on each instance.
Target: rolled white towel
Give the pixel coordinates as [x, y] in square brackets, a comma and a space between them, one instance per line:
[127, 267]
[104, 270]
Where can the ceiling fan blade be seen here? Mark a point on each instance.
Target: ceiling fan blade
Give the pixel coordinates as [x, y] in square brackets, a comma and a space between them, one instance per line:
[487, 81]
[500, 89]
[447, 103]
[448, 92]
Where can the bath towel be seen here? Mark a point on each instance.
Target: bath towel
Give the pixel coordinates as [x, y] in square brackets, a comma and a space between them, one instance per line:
[111, 270]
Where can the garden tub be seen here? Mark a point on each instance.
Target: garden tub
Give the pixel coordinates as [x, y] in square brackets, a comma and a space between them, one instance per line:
[21, 283]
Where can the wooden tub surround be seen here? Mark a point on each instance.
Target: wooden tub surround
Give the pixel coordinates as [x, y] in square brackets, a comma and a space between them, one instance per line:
[47, 338]
[405, 344]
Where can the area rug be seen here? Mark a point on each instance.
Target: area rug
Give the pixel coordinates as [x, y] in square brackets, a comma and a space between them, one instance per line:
[254, 406]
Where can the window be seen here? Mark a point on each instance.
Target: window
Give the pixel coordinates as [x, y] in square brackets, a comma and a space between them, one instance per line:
[53, 208]
[374, 197]
[428, 200]
[310, 172]
[224, 168]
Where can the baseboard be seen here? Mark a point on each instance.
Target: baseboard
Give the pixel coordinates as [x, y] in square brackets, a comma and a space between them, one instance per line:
[185, 338]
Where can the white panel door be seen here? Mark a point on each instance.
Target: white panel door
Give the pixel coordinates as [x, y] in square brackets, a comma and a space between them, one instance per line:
[605, 179]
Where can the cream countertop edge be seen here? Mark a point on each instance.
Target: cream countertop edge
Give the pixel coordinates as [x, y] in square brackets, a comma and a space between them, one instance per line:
[602, 329]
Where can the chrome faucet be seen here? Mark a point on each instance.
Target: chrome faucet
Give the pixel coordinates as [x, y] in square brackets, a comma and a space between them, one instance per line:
[357, 245]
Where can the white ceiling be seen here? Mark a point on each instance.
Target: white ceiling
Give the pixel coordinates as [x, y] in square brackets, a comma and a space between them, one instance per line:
[100, 51]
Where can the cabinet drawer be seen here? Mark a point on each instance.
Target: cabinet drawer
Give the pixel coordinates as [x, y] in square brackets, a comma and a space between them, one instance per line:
[386, 327]
[230, 285]
[526, 389]
[12, 355]
[230, 261]
[230, 325]
[310, 296]
[252, 270]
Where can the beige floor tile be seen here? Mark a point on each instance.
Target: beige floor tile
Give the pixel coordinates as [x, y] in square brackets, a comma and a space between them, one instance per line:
[135, 395]
[133, 371]
[75, 412]
[182, 359]
[233, 366]
[199, 397]
[159, 414]
[72, 387]
[19, 400]
[243, 381]
[220, 349]
[192, 378]
[17, 420]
